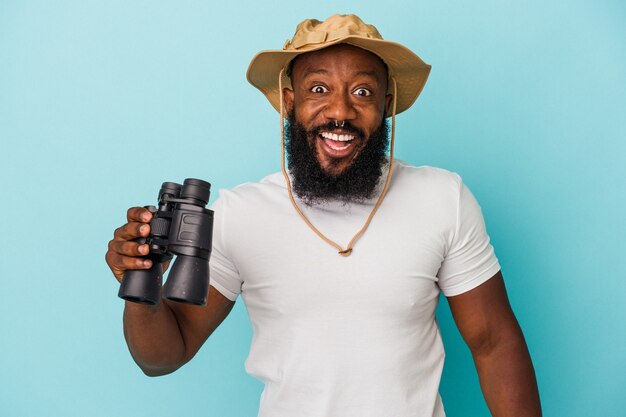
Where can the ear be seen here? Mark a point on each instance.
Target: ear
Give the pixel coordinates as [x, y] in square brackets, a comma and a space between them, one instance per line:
[388, 103]
[287, 100]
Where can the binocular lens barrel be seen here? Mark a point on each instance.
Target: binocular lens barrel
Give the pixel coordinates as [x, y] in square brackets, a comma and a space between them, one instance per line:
[142, 286]
[197, 190]
[188, 281]
[181, 226]
[170, 188]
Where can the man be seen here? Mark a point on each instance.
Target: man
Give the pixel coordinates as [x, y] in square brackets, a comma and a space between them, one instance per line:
[348, 331]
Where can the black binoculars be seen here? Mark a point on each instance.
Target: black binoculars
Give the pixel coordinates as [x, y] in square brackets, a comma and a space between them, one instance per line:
[183, 226]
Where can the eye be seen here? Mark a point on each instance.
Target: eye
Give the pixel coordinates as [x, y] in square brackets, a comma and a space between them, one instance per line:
[363, 92]
[319, 89]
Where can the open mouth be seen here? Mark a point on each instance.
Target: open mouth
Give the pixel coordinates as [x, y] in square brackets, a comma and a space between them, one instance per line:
[338, 144]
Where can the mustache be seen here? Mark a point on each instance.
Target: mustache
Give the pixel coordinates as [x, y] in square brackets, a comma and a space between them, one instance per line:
[313, 185]
[330, 126]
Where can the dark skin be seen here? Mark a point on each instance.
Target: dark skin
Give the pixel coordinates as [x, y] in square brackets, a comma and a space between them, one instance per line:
[351, 89]
[488, 326]
[336, 83]
[164, 337]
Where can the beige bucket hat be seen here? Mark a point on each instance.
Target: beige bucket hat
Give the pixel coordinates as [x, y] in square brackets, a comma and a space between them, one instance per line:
[408, 69]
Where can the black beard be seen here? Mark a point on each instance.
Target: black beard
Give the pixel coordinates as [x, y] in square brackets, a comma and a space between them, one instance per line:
[315, 186]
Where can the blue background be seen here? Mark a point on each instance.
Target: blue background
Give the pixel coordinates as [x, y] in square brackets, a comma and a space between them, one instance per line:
[101, 101]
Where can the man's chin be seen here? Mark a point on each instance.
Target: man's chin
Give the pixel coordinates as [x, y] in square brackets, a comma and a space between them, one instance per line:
[332, 165]
[335, 167]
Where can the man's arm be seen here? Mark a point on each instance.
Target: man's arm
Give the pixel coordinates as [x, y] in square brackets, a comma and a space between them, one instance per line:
[488, 326]
[164, 337]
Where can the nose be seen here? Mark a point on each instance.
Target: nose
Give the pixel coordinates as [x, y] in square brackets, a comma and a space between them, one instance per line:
[340, 107]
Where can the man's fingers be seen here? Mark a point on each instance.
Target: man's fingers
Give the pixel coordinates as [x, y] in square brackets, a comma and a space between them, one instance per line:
[131, 231]
[138, 214]
[124, 252]
[128, 248]
[119, 264]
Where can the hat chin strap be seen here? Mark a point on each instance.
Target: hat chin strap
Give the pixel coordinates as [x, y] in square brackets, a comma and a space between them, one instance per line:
[348, 250]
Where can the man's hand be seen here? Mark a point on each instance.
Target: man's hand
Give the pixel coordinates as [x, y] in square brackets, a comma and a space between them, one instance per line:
[124, 253]
[164, 337]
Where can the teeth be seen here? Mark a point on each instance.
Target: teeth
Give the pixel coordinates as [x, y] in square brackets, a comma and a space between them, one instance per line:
[336, 137]
[338, 148]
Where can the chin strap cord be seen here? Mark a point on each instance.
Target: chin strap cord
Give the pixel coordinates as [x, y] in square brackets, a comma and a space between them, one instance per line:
[348, 250]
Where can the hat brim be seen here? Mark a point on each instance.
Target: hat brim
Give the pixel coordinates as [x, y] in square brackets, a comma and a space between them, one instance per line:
[408, 69]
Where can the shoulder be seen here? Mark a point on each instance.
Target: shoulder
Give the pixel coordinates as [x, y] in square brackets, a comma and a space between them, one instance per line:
[270, 188]
[425, 179]
[423, 193]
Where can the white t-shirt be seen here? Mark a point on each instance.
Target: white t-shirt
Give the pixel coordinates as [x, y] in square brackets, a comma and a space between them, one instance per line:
[350, 336]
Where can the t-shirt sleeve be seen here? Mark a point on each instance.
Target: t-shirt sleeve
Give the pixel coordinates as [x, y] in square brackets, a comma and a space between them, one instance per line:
[470, 259]
[224, 275]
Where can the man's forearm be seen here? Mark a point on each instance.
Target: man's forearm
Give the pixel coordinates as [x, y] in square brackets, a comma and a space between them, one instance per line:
[154, 338]
[507, 379]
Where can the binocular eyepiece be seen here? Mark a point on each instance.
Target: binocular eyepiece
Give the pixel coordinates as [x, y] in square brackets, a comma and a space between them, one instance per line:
[183, 226]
